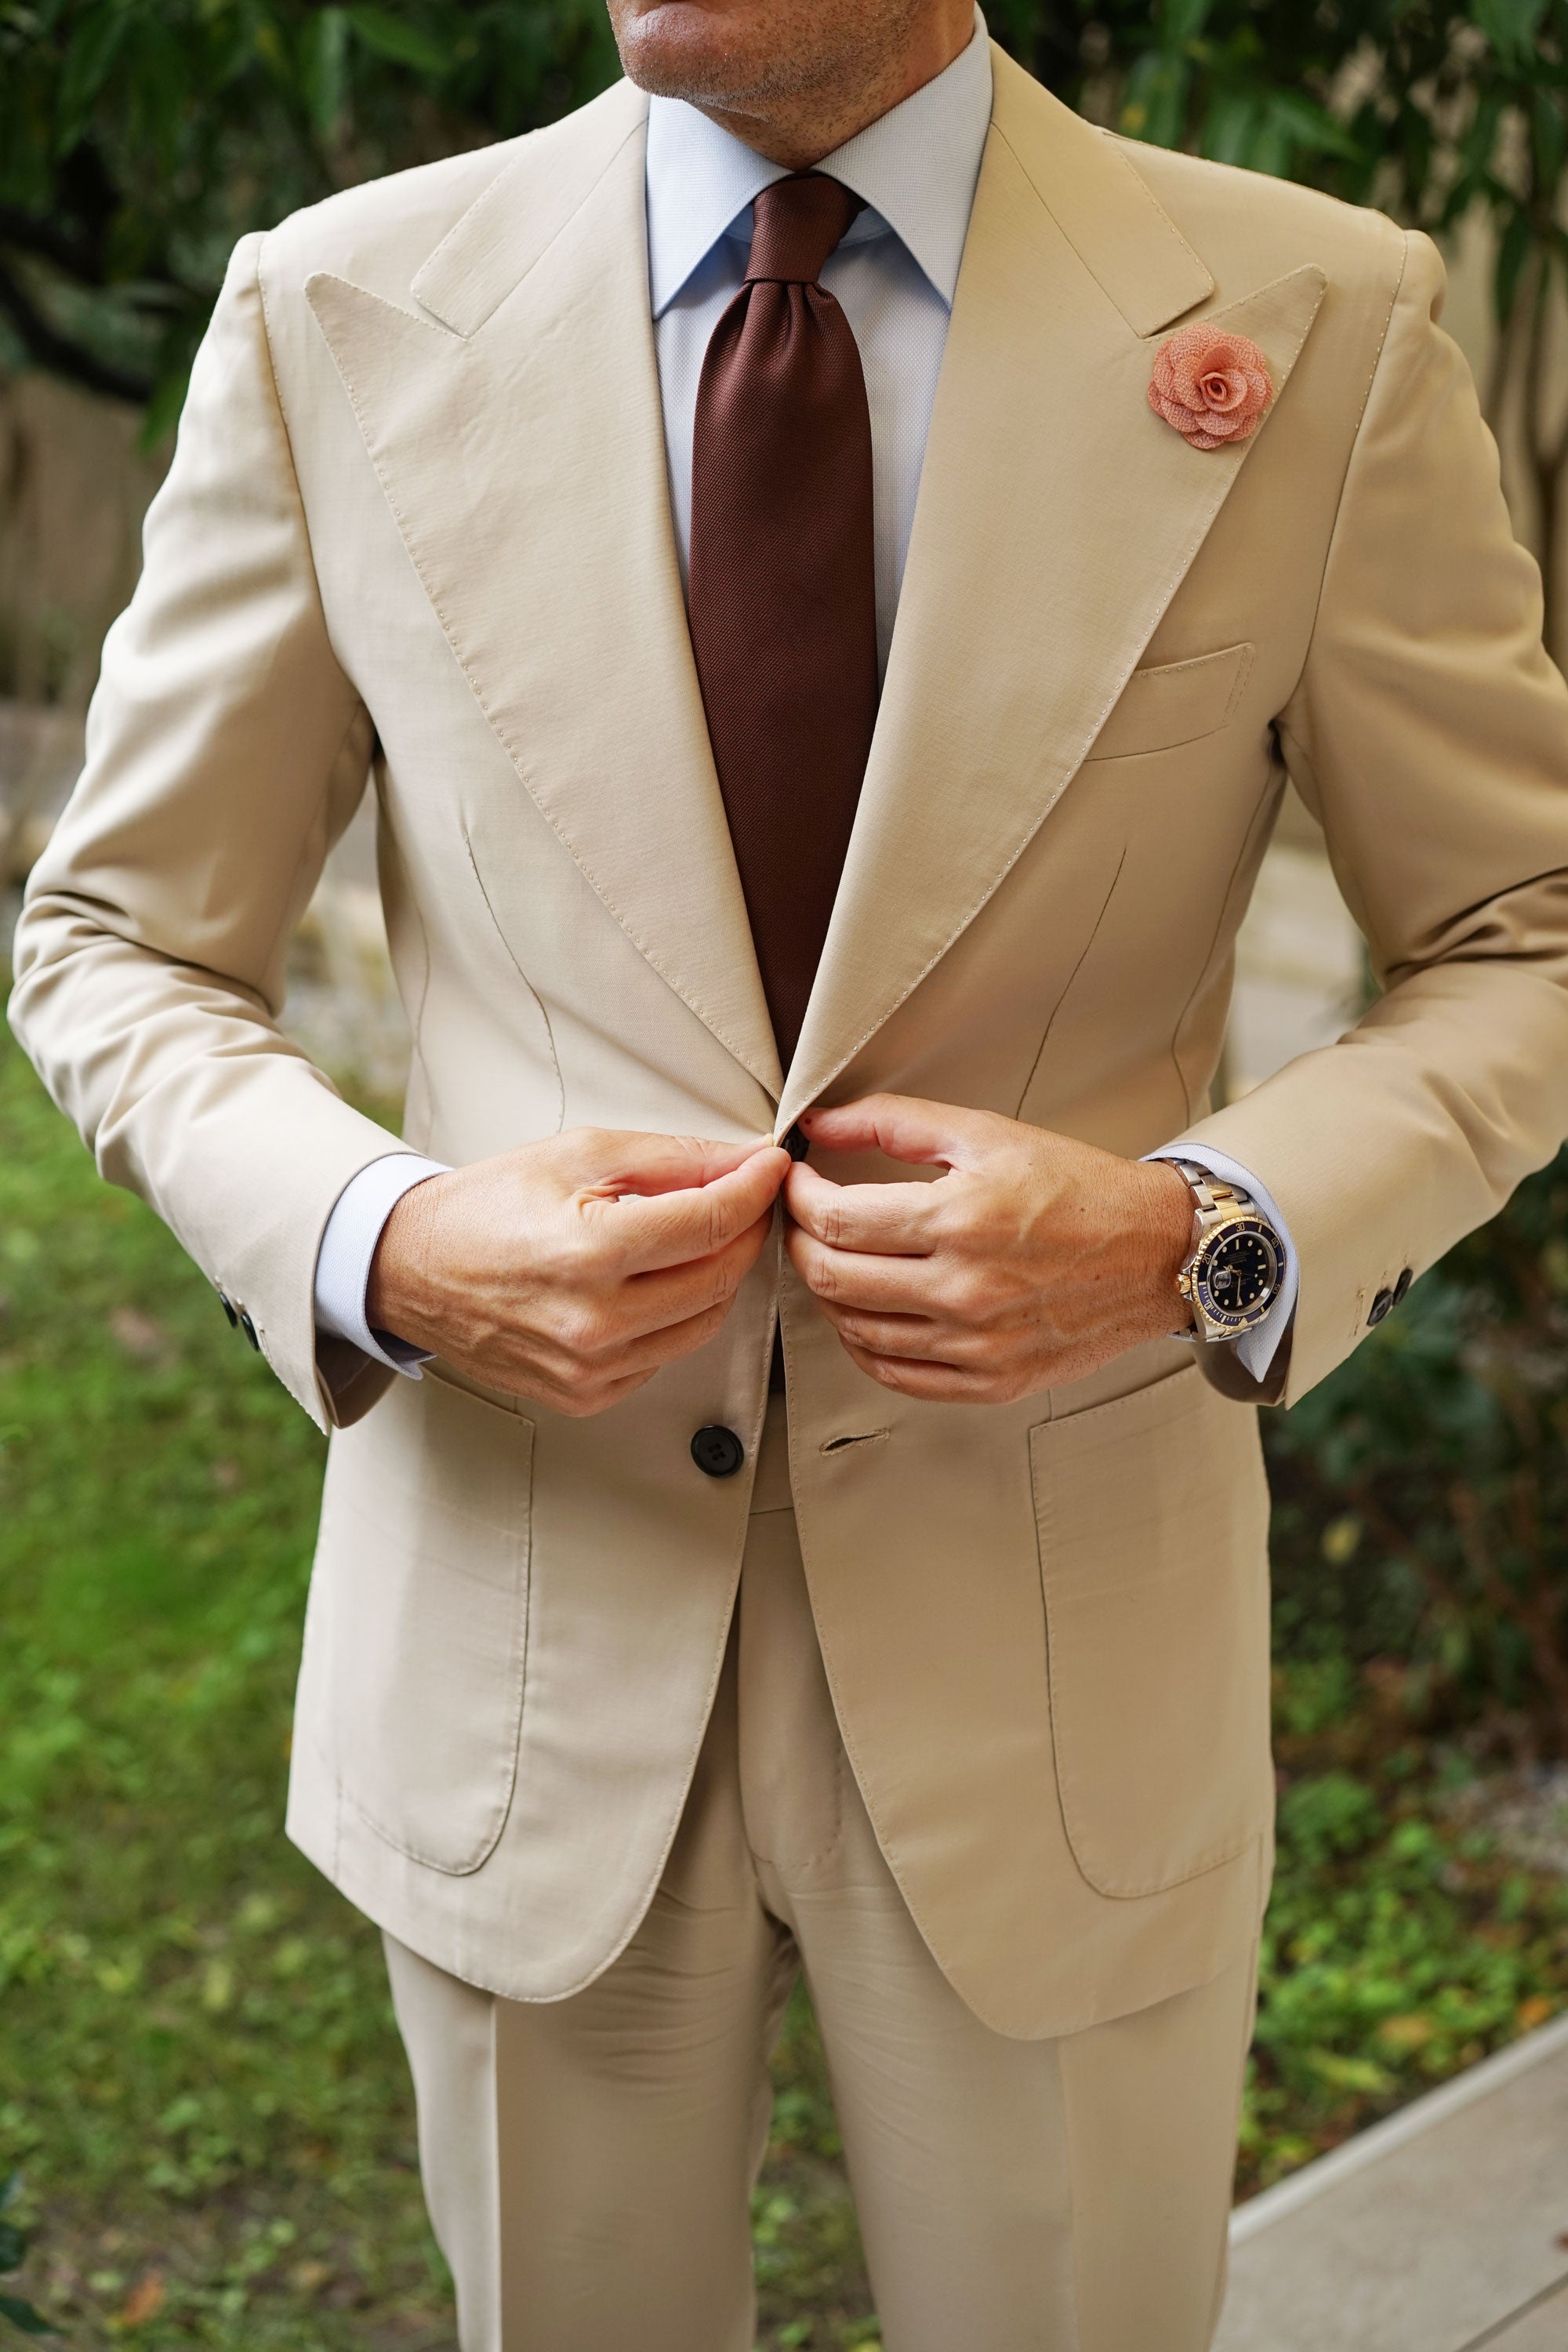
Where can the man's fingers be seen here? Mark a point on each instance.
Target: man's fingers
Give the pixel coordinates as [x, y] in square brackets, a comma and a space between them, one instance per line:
[675, 1228]
[894, 1220]
[900, 1127]
[892, 1285]
[670, 1295]
[579, 1403]
[917, 1337]
[937, 1383]
[611, 1164]
[642, 1357]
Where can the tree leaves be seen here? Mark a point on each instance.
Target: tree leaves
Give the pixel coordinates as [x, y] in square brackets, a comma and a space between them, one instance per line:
[1509, 26]
[323, 68]
[85, 66]
[1514, 247]
[395, 37]
[140, 139]
[25, 2317]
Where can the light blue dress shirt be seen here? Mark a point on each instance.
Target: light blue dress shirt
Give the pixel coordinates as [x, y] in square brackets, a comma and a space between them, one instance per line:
[895, 274]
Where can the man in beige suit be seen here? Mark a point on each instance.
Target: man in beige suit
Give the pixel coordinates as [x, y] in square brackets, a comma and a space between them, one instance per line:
[632, 1683]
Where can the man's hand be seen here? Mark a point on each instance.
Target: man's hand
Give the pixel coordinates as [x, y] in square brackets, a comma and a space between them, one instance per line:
[1030, 1261]
[569, 1271]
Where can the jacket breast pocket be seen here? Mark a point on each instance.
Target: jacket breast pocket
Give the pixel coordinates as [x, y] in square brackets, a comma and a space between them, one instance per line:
[1174, 703]
[423, 1564]
[1152, 1517]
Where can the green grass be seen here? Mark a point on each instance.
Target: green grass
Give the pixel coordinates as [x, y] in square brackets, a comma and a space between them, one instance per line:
[198, 2075]
[199, 2078]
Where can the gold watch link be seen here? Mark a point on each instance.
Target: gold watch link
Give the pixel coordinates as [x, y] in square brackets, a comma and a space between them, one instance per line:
[1234, 1271]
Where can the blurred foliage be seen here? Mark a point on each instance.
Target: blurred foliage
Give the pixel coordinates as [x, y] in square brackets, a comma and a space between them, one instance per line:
[1421, 1492]
[140, 138]
[1402, 1941]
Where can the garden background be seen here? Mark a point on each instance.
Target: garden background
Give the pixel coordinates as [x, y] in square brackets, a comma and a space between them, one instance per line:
[202, 2107]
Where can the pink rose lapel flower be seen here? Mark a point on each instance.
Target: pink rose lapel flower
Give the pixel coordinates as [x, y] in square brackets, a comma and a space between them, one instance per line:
[1213, 387]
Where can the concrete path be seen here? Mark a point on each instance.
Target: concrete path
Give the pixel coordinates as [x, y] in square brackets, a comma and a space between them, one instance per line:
[1443, 2229]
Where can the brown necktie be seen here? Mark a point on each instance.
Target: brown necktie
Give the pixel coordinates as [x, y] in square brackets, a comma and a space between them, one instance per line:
[782, 588]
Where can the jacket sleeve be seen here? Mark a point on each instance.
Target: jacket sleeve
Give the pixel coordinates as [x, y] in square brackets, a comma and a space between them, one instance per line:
[225, 751]
[1429, 733]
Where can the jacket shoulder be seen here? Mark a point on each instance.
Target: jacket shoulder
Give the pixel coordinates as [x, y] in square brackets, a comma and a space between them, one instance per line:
[377, 234]
[1250, 227]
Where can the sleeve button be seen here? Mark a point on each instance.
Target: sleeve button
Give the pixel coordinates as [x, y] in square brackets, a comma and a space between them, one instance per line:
[1381, 1306]
[1403, 1285]
[227, 1303]
[248, 1328]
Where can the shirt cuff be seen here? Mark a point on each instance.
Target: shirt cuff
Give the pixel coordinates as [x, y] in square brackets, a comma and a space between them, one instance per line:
[348, 1245]
[1255, 1349]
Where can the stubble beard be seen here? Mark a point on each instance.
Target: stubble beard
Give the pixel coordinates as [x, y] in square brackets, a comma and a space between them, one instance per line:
[826, 63]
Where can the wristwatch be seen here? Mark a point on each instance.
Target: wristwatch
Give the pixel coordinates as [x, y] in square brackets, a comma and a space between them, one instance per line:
[1238, 1263]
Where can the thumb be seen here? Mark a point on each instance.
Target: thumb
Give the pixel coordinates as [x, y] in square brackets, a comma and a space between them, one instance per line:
[902, 1127]
[613, 1166]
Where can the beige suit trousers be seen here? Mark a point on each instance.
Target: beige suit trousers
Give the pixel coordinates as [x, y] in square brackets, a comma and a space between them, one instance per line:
[589, 2162]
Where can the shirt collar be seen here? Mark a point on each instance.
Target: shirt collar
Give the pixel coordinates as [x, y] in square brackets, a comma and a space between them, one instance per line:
[915, 168]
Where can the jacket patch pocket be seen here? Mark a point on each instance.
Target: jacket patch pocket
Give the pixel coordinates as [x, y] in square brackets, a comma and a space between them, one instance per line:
[423, 1563]
[1152, 1517]
[1174, 703]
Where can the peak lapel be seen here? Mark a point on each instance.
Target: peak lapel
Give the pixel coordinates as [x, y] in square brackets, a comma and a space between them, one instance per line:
[520, 446]
[1056, 518]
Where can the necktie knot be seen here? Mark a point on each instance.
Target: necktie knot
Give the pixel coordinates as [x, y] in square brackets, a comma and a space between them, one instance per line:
[795, 224]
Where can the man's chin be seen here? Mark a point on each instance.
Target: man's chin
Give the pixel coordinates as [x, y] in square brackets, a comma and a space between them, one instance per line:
[679, 52]
[691, 52]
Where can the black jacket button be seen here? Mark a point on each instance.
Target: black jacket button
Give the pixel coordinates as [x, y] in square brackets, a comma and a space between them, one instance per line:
[248, 1328]
[1380, 1307]
[1403, 1285]
[717, 1450]
[227, 1303]
[795, 1144]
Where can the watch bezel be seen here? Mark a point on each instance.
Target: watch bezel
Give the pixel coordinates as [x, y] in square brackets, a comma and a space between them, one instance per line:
[1223, 1322]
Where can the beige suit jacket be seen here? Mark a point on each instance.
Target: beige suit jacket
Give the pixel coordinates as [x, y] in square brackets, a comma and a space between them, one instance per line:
[418, 524]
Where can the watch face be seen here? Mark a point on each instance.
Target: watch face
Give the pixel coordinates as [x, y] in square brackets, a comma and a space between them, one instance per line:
[1240, 1274]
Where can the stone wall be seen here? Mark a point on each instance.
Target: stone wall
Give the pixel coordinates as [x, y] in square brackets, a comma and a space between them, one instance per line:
[74, 487]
